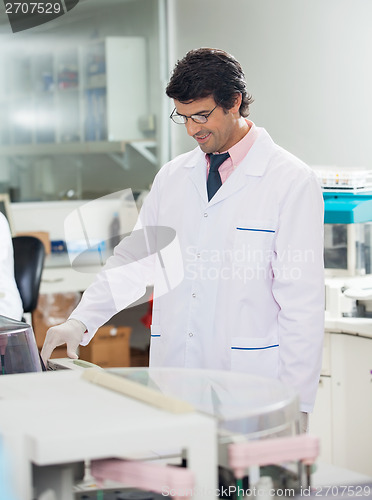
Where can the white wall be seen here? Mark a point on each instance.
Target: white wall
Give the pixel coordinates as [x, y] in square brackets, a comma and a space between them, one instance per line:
[308, 64]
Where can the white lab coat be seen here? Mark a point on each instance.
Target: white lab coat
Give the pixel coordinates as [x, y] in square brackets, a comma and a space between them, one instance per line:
[252, 294]
[10, 300]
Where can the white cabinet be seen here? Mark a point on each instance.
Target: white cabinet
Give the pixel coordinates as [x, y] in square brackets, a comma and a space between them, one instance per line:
[74, 94]
[321, 419]
[115, 88]
[343, 412]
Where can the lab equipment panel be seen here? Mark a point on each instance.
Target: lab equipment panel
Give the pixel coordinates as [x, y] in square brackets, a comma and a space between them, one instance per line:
[347, 249]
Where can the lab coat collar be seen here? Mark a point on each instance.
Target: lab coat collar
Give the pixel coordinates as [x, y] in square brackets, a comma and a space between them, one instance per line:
[258, 157]
[254, 164]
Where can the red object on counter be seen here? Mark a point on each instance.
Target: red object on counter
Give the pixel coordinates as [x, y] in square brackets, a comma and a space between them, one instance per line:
[147, 318]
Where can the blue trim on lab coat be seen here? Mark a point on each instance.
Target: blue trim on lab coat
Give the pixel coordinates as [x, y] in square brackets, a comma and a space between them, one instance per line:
[250, 229]
[255, 348]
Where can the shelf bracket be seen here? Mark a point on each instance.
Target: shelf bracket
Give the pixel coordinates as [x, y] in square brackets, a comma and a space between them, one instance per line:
[143, 148]
[21, 162]
[120, 159]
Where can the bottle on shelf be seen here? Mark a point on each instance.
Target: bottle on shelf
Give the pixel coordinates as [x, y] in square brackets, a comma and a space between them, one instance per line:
[114, 231]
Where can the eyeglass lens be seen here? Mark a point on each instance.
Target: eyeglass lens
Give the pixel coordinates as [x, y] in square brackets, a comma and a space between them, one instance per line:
[183, 119]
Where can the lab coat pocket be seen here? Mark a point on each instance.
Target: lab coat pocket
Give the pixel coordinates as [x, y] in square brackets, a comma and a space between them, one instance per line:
[254, 241]
[257, 356]
[156, 351]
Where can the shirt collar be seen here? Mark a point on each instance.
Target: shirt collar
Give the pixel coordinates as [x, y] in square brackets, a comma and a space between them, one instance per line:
[241, 148]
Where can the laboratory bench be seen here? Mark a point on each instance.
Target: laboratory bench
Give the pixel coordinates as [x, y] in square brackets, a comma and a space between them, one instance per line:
[52, 423]
[59, 418]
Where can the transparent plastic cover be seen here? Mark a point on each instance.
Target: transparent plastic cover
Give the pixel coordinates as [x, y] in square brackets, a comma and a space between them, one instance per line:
[18, 350]
[242, 403]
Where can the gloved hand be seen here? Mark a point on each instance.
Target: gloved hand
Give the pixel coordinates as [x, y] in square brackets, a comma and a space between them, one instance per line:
[71, 333]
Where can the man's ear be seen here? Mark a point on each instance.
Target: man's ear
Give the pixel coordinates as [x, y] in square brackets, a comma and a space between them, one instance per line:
[237, 103]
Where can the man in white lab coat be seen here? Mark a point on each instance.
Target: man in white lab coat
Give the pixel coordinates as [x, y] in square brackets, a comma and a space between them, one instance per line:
[250, 236]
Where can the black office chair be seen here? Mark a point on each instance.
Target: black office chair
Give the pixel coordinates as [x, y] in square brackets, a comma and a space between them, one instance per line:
[29, 255]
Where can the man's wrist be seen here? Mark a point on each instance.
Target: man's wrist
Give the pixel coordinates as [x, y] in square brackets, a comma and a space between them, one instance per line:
[79, 324]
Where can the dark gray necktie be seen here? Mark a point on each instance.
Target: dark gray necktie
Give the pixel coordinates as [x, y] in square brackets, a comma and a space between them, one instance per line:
[214, 179]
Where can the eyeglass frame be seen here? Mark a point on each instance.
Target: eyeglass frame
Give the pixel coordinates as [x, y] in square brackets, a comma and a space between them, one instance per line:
[191, 116]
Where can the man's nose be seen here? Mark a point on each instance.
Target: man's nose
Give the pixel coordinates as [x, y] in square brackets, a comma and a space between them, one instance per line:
[192, 127]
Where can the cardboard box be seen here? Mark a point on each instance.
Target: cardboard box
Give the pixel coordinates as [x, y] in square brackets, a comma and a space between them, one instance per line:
[139, 357]
[110, 347]
[52, 309]
[41, 235]
[59, 352]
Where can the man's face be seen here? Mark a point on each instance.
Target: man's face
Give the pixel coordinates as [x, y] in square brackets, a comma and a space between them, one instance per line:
[220, 132]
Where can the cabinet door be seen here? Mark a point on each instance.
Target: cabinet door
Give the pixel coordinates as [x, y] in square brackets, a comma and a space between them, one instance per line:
[67, 83]
[351, 359]
[115, 89]
[320, 421]
[126, 87]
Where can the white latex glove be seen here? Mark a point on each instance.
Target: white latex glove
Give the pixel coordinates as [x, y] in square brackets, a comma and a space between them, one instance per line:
[71, 333]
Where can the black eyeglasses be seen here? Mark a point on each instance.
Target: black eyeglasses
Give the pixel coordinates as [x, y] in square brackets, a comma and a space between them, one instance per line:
[182, 119]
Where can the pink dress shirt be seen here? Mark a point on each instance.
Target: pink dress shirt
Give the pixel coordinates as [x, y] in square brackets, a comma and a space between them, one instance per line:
[237, 152]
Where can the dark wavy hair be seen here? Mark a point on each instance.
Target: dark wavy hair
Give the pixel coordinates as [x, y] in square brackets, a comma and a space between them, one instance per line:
[204, 72]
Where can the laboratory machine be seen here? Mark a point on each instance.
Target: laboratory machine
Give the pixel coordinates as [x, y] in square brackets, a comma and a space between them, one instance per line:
[18, 350]
[343, 409]
[80, 432]
[155, 432]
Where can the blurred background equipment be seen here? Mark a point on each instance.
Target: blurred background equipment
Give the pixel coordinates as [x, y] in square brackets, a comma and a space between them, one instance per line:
[343, 409]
